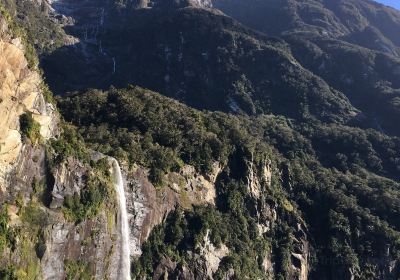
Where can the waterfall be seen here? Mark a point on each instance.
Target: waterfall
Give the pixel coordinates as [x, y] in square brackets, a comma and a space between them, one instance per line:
[124, 269]
[114, 65]
[102, 17]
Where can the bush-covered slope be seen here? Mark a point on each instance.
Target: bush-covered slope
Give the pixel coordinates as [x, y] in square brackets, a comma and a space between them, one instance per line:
[306, 190]
[352, 45]
[339, 180]
[204, 59]
[42, 31]
[365, 23]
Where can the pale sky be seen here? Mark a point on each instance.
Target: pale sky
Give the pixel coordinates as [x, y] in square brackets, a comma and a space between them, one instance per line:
[393, 3]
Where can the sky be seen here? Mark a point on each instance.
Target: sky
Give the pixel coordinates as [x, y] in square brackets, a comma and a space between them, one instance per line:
[393, 3]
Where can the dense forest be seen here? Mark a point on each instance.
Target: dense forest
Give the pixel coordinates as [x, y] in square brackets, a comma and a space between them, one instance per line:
[337, 179]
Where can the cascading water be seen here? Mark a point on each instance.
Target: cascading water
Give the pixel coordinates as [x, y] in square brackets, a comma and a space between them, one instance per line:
[124, 269]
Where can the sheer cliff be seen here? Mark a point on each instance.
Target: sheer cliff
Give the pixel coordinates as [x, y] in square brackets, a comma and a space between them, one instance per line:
[34, 239]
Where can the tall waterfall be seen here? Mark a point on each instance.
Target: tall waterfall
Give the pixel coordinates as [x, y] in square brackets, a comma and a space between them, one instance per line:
[124, 269]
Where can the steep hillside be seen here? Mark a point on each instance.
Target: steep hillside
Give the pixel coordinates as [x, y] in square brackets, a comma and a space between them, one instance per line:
[58, 215]
[352, 45]
[293, 201]
[365, 23]
[271, 151]
[209, 61]
[233, 69]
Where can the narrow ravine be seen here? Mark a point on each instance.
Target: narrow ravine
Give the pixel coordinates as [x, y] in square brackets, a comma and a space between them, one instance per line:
[124, 269]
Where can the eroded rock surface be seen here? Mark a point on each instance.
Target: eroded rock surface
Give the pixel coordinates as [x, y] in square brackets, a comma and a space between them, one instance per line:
[20, 92]
[149, 206]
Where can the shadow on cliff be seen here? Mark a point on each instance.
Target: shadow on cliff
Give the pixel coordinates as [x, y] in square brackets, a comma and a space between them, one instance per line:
[104, 55]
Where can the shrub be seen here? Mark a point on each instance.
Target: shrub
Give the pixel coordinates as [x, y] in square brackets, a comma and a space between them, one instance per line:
[87, 203]
[8, 273]
[29, 127]
[68, 144]
[7, 236]
[78, 207]
[77, 270]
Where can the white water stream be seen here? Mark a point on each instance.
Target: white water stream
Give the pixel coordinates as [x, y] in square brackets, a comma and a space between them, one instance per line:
[124, 269]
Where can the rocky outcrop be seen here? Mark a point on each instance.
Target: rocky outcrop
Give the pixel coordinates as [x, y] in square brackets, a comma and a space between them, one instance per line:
[203, 3]
[148, 206]
[192, 188]
[20, 92]
[211, 255]
[91, 242]
[203, 263]
[28, 167]
[300, 254]
[259, 179]
[45, 241]
[68, 180]
[268, 214]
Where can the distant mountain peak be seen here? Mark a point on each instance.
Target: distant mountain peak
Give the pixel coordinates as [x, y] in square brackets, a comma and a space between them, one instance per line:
[172, 3]
[203, 3]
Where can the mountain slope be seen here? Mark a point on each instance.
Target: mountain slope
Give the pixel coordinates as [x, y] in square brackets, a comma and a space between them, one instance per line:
[211, 62]
[261, 158]
[329, 180]
[352, 45]
[365, 23]
[234, 69]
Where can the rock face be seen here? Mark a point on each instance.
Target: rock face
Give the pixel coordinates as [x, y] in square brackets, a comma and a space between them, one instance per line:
[211, 255]
[67, 181]
[91, 242]
[20, 92]
[259, 179]
[148, 206]
[204, 262]
[300, 255]
[151, 3]
[203, 3]
[24, 173]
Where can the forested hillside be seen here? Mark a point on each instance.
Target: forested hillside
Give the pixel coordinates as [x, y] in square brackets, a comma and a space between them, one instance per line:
[252, 139]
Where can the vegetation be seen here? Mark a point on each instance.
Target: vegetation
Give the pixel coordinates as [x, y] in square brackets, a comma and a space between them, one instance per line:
[17, 31]
[97, 181]
[24, 243]
[68, 145]
[185, 232]
[87, 203]
[7, 235]
[29, 127]
[39, 32]
[47, 94]
[141, 136]
[77, 270]
[313, 187]
[7, 273]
